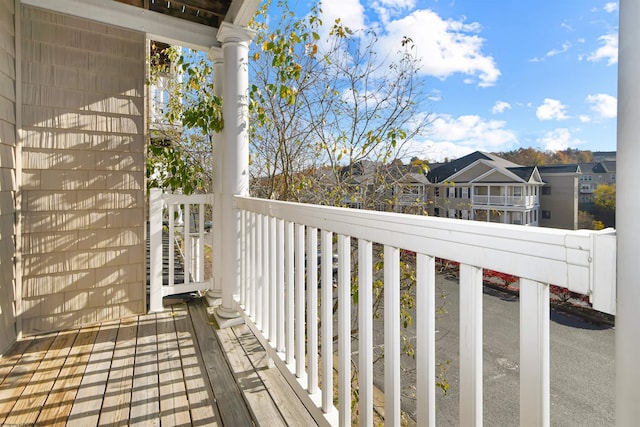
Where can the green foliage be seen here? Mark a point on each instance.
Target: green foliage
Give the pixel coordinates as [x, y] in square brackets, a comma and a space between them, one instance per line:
[168, 168]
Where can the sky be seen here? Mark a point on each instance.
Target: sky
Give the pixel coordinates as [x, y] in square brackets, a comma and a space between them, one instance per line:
[503, 74]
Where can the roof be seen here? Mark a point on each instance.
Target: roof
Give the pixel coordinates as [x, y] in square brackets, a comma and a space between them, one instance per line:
[607, 166]
[206, 12]
[187, 23]
[570, 168]
[446, 170]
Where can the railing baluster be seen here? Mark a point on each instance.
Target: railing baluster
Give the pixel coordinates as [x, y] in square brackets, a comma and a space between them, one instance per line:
[172, 245]
[470, 345]
[299, 300]
[312, 309]
[326, 317]
[344, 329]
[259, 275]
[365, 332]
[252, 262]
[273, 283]
[391, 336]
[534, 354]
[426, 340]
[155, 250]
[201, 242]
[266, 278]
[245, 260]
[289, 289]
[187, 243]
[280, 284]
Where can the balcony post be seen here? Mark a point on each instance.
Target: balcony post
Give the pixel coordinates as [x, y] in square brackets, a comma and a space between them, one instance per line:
[216, 56]
[627, 342]
[235, 162]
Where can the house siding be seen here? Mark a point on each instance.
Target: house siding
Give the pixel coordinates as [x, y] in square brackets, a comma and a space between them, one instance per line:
[83, 171]
[7, 173]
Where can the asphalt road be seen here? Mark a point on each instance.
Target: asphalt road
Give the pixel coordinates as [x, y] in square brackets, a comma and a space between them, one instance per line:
[582, 364]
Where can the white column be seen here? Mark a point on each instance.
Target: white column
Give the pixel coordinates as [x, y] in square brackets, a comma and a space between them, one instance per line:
[216, 56]
[628, 228]
[235, 158]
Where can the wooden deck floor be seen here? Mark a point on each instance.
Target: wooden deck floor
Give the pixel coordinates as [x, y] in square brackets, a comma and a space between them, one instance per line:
[171, 369]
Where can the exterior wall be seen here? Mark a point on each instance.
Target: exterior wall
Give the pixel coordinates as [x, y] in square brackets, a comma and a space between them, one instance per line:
[83, 171]
[7, 173]
[562, 204]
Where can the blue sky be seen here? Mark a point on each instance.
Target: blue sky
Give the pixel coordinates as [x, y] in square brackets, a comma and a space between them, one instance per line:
[504, 74]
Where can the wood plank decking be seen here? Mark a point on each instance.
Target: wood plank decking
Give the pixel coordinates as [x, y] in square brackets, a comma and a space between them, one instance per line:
[172, 369]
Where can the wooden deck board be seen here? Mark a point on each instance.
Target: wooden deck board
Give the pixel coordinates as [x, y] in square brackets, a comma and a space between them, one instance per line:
[115, 407]
[232, 406]
[91, 391]
[174, 406]
[199, 394]
[34, 395]
[157, 369]
[250, 383]
[145, 407]
[21, 373]
[279, 389]
[57, 407]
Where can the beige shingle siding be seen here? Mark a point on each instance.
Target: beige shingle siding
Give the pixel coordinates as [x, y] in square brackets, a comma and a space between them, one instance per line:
[7, 173]
[83, 171]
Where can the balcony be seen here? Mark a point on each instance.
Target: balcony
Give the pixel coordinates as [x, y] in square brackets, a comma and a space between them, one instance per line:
[274, 300]
[504, 201]
[412, 199]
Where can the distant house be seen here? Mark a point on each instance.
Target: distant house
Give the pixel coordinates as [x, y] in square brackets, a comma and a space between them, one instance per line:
[593, 175]
[485, 187]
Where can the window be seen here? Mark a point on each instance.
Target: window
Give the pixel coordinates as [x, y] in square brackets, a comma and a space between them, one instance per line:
[546, 191]
[451, 193]
[437, 191]
[517, 191]
[613, 178]
[436, 211]
[546, 214]
[451, 213]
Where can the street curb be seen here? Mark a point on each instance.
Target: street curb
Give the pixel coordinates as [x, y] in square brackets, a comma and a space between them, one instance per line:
[585, 313]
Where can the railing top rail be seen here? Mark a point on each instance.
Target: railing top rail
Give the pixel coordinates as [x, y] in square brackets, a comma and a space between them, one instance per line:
[188, 198]
[560, 257]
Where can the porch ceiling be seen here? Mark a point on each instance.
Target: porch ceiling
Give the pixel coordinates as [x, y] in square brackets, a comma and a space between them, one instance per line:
[188, 23]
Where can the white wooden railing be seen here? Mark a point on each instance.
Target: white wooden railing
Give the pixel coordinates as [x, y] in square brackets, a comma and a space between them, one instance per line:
[165, 206]
[278, 236]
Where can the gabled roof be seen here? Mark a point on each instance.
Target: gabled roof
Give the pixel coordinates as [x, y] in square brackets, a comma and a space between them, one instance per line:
[483, 167]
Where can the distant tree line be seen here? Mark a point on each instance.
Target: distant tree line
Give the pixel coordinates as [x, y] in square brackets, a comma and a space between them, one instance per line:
[532, 157]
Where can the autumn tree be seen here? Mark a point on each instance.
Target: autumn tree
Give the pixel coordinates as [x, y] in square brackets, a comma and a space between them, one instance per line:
[328, 114]
[604, 197]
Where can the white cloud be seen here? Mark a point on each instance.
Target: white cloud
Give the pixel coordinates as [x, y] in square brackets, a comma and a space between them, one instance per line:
[552, 109]
[454, 137]
[387, 9]
[611, 7]
[553, 52]
[605, 105]
[447, 47]
[608, 50]
[500, 107]
[350, 13]
[584, 119]
[559, 139]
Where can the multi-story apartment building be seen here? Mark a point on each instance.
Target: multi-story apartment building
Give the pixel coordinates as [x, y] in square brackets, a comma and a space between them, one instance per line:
[485, 187]
[593, 175]
[559, 196]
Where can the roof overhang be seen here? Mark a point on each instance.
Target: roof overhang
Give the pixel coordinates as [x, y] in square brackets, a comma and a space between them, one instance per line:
[157, 26]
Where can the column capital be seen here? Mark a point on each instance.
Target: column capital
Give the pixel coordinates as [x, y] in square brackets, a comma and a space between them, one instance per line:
[234, 33]
[215, 54]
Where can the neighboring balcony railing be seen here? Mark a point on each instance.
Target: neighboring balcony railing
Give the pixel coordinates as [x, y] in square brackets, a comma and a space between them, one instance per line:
[517, 201]
[412, 199]
[281, 242]
[186, 234]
